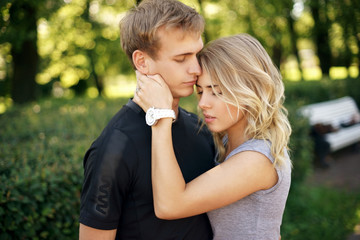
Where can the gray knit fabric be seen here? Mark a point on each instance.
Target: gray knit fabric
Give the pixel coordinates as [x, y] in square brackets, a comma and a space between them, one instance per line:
[259, 215]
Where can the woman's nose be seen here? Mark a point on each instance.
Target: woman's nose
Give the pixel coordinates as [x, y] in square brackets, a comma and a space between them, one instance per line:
[203, 102]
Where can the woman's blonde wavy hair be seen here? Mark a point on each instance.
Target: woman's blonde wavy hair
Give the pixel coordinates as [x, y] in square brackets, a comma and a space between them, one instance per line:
[248, 79]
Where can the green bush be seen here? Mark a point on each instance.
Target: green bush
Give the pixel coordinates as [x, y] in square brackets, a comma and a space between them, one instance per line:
[314, 213]
[352, 87]
[41, 150]
[306, 92]
[301, 146]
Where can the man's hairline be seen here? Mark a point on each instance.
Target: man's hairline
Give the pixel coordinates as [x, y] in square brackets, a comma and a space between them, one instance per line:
[171, 28]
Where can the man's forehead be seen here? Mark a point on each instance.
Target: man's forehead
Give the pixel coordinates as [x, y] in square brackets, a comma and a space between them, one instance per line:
[178, 42]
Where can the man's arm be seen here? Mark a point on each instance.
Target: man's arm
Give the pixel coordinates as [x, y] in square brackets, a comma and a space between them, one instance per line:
[89, 233]
[106, 184]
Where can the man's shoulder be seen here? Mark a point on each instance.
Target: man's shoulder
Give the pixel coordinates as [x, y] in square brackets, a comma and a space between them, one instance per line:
[120, 130]
[125, 118]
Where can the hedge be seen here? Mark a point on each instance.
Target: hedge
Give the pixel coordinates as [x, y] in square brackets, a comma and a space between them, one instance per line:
[41, 150]
[307, 92]
[315, 213]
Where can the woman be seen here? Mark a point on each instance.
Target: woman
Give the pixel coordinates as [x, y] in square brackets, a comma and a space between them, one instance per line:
[241, 96]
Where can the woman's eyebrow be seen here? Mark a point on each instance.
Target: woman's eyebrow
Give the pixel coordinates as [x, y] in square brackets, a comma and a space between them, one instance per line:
[208, 86]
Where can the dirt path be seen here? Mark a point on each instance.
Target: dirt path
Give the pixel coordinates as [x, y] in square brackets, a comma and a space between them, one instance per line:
[343, 173]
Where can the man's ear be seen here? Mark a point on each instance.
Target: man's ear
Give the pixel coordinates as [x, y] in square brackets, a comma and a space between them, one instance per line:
[141, 61]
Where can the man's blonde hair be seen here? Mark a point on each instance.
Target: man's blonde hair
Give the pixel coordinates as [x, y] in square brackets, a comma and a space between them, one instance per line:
[248, 79]
[138, 29]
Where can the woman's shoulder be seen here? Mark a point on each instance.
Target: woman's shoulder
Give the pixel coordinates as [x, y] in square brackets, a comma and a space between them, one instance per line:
[254, 145]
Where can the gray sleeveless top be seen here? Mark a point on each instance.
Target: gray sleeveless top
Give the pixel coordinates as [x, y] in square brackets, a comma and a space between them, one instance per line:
[259, 215]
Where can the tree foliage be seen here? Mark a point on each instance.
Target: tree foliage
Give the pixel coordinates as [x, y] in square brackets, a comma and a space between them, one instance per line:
[19, 28]
[83, 46]
[70, 43]
[74, 44]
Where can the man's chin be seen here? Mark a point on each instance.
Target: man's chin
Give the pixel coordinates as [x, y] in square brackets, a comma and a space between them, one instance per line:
[184, 93]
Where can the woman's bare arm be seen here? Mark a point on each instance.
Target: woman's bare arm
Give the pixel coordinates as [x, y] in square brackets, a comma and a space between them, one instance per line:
[239, 176]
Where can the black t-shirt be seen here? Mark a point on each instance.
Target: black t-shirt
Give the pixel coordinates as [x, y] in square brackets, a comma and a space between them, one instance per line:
[117, 191]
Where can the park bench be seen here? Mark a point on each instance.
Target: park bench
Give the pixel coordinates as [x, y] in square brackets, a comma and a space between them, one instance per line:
[342, 118]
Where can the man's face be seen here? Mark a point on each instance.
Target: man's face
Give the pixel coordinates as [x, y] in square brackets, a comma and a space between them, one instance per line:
[176, 61]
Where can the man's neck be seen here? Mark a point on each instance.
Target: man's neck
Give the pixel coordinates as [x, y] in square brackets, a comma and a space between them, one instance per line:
[175, 105]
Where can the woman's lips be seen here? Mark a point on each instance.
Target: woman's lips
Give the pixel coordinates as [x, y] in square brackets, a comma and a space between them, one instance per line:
[208, 118]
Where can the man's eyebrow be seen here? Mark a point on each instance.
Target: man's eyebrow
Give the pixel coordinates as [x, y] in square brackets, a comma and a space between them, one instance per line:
[184, 54]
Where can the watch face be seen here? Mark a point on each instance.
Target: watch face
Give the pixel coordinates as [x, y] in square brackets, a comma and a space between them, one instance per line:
[150, 117]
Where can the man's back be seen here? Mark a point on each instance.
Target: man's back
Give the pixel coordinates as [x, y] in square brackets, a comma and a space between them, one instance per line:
[117, 191]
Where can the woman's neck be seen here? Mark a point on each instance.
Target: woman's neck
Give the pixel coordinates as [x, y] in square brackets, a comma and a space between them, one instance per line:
[236, 136]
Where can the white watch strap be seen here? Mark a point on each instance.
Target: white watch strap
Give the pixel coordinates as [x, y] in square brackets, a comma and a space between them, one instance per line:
[165, 113]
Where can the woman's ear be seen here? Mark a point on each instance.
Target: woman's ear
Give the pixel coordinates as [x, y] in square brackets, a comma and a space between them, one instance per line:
[140, 60]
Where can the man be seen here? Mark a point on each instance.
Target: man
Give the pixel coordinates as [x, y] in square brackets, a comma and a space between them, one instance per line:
[159, 37]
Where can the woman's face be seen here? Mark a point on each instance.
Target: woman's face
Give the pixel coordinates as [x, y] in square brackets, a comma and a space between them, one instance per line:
[219, 116]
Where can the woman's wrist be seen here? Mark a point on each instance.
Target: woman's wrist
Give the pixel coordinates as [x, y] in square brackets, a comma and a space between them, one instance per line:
[163, 105]
[163, 123]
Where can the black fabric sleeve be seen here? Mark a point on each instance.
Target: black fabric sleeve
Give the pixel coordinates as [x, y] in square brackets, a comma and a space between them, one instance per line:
[107, 180]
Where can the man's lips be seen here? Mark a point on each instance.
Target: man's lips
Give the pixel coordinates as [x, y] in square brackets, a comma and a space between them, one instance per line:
[190, 83]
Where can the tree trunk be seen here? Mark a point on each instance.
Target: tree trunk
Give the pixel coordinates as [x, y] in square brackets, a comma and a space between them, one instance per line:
[98, 80]
[321, 35]
[294, 47]
[358, 53]
[24, 53]
[277, 54]
[356, 29]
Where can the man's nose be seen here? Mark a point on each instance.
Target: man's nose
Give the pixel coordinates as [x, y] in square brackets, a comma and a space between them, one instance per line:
[195, 67]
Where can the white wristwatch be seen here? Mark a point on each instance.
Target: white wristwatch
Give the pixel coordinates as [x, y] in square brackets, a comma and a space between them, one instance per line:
[154, 114]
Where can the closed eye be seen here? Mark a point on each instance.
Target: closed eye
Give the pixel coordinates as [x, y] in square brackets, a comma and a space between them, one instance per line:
[217, 93]
[180, 59]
